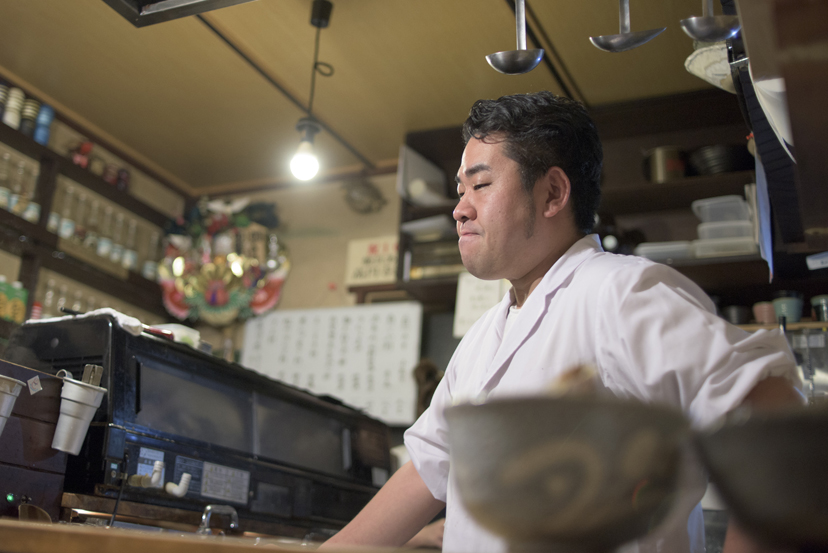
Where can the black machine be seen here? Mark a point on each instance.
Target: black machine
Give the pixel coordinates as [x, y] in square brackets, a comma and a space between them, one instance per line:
[289, 462]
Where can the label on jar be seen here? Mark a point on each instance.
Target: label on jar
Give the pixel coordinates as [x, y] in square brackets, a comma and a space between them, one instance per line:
[32, 212]
[66, 228]
[4, 197]
[149, 270]
[129, 260]
[104, 246]
[116, 253]
[53, 223]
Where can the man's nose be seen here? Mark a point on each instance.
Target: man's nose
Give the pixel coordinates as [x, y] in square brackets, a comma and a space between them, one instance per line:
[464, 211]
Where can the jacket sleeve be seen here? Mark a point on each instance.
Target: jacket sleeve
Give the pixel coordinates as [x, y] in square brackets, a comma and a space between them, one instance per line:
[661, 341]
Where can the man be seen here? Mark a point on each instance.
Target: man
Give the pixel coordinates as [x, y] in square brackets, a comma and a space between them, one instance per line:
[529, 188]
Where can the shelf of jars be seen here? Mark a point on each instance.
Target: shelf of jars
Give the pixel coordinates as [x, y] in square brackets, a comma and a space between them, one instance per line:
[70, 258]
[81, 232]
[58, 164]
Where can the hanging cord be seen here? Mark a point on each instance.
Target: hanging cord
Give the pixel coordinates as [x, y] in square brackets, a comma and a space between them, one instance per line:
[324, 69]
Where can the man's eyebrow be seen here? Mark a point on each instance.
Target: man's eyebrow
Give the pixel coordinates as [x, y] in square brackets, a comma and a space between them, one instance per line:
[473, 170]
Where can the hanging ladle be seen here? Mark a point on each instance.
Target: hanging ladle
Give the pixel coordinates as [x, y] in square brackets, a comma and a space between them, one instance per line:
[624, 40]
[709, 27]
[517, 62]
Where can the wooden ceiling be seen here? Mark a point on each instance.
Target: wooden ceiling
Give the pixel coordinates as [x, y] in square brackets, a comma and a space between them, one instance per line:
[179, 99]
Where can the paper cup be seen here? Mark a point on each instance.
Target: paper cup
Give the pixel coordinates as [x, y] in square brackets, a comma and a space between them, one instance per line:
[78, 403]
[9, 390]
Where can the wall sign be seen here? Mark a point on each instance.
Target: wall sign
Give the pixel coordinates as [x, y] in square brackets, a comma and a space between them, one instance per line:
[372, 261]
[364, 355]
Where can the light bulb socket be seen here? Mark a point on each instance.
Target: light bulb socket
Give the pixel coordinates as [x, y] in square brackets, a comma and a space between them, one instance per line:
[321, 13]
[309, 128]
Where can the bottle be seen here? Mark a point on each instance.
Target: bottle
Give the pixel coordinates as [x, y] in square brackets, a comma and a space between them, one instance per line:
[90, 239]
[32, 211]
[80, 220]
[150, 268]
[28, 115]
[67, 222]
[117, 240]
[16, 307]
[4, 95]
[43, 124]
[53, 222]
[17, 192]
[129, 259]
[105, 236]
[61, 301]
[4, 296]
[14, 103]
[77, 305]
[49, 300]
[5, 191]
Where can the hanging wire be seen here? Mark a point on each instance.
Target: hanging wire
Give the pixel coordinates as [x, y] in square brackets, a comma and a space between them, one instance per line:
[324, 69]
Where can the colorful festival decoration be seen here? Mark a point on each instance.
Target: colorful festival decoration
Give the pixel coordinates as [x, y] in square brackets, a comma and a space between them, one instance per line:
[223, 262]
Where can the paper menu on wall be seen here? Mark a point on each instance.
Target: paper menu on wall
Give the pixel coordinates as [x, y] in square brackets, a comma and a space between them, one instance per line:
[364, 355]
[474, 298]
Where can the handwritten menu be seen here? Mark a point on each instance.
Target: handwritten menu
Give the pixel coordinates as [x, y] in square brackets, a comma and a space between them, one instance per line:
[363, 355]
[474, 298]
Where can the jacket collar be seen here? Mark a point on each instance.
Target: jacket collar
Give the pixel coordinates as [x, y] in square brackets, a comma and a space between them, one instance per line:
[534, 308]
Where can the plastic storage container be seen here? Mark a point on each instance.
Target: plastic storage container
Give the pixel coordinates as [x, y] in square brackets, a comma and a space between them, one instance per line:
[721, 247]
[726, 229]
[665, 251]
[721, 208]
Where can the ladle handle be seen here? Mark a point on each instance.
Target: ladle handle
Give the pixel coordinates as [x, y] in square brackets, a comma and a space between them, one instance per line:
[707, 8]
[520, 23]
[624, 16]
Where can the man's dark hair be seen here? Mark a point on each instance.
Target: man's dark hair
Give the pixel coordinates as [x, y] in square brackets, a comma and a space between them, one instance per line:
[542, 130]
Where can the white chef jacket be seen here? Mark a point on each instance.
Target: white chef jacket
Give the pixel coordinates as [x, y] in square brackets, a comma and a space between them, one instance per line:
[651, 333]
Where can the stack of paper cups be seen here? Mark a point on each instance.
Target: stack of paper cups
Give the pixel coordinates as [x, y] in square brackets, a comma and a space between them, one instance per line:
[9, 390]
[78, 403]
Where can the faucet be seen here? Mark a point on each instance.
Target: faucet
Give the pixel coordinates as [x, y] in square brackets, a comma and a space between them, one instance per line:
[204, 527]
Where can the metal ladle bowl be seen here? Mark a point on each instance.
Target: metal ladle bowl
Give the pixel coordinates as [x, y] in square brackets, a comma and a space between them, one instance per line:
[709, 27]
[624, 40]
[517, 62]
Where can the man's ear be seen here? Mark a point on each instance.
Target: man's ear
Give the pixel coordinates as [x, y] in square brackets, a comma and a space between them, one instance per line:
[555, 188]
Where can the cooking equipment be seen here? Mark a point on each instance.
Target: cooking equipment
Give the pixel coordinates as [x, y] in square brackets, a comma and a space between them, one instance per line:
[288, 462]
[721, 158]
[709, 27]
[516, 62]
[663, 163]
[625, 39]
[568, 473]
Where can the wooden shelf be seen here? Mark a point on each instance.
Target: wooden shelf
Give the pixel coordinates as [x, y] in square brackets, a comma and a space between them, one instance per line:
[38, 152]
[802, 325]
[677, 194]
[135, 290]
[27, 230]
[22, 238]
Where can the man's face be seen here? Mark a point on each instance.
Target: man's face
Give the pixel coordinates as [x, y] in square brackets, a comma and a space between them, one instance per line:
[495, 216]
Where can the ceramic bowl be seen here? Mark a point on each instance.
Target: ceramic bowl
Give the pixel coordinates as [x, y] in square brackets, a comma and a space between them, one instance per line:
[770, 470]
[584, 473]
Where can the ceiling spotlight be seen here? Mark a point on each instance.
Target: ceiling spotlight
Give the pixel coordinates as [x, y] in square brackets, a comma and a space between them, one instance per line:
[305, 164]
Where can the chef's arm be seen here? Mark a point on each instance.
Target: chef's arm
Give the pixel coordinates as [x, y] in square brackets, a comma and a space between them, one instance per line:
[402, 507]
[771, 393]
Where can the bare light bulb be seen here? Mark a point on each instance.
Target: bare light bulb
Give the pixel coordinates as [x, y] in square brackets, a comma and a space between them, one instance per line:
[304, 164]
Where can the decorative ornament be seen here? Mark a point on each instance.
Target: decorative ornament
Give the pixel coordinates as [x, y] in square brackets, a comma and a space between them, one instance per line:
[223, 263]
